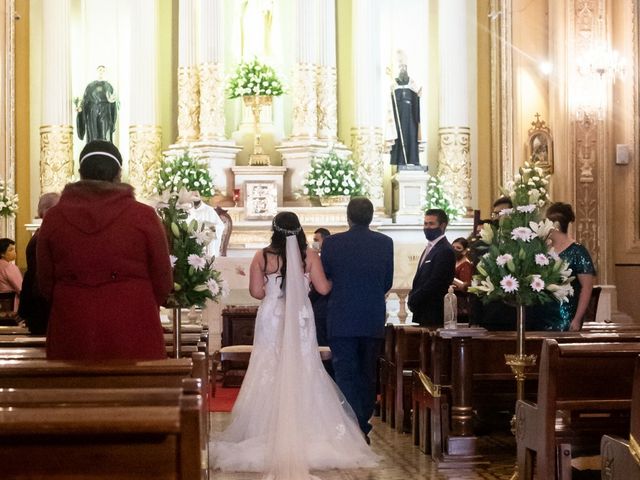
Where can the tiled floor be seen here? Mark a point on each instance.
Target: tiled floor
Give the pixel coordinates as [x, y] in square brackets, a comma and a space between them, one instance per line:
[402, 461]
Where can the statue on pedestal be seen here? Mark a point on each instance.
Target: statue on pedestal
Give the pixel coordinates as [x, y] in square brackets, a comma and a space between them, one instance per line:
[97, 111]
[405, 98]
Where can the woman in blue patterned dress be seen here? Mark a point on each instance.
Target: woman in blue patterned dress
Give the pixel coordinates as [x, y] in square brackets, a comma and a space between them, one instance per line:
[568, 315]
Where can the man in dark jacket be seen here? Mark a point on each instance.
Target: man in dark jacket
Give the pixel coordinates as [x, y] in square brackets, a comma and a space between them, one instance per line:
[359, 262]
[435, 272]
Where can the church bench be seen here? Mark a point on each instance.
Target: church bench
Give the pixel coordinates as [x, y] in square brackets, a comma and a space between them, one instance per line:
[385, 362]
[486, 384]
[406, 357]
[101, 433]
[584, 392]
[620, 458]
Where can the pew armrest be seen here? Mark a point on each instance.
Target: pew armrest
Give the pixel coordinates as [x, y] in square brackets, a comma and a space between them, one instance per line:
[527, 423]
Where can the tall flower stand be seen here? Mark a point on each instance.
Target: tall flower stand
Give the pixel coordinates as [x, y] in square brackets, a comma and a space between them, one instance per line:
[256, 102]
[519, 363]
[177, 326]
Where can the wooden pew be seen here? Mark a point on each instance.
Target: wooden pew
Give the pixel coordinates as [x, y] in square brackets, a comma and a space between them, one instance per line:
[101, 434]
[406, 357]
[385, 363]
[620, 458]
[468, 374]
[584, 391]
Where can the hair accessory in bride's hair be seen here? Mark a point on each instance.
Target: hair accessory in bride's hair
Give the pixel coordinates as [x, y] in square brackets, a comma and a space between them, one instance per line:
[285, 231]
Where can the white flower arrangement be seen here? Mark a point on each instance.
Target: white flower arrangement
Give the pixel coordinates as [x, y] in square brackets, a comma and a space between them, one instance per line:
[254, 78]
[519, 267]
[184, 172]
[194, 279]
[8, 200]
[437, 197]
[331, 176]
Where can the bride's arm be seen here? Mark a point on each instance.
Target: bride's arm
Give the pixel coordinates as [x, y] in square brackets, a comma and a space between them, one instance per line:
[256, 276]
[316, 273]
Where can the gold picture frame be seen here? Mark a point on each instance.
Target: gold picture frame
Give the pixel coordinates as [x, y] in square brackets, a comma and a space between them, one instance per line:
[540, 145]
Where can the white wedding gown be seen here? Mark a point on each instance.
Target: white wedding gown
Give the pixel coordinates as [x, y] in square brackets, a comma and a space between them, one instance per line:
[289, 416]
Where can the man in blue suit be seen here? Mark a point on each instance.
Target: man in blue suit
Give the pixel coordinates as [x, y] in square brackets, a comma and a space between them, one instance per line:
[435, 272]
[359, 262]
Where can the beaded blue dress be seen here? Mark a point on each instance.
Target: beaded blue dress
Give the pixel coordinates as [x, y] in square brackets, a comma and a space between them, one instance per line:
[555, 315]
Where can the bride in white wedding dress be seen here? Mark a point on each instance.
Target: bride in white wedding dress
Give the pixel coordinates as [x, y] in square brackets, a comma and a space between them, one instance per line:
[290, 417]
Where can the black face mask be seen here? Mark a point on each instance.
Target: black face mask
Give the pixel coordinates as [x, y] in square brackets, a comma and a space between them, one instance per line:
[459, 255]
[432, 233]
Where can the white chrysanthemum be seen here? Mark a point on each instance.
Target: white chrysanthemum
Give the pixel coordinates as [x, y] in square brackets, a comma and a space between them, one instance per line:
[196, 261]
[502, 260]
[522, 233]
[537, 284]
[509, 284]
[541, 259]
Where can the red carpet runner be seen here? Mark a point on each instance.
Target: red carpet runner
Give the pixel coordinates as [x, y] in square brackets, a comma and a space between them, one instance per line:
[224, 399]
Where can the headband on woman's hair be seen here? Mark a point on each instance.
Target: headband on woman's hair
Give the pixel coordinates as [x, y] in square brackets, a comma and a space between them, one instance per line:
[100, 153]
[286, 232]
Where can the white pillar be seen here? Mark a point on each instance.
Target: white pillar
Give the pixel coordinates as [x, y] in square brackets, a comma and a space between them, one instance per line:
[454, 160]
[56, 132]
[305, 118]
[327, 79]
[366, 135]
[211, 70]
[188, 85]
[145, 135]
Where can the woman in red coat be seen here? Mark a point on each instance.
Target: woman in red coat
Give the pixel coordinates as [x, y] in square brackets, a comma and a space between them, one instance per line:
[103, 262]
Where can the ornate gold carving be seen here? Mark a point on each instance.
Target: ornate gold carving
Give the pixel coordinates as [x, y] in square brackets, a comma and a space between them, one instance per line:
[540, 145]
[367, 144]
[56, 157]
[256, 102]
[305, 118]
[589, 137]
[327, 105]
[212, 84]
[454, 163]
[145, 155]
[188, 104]
[433, 389]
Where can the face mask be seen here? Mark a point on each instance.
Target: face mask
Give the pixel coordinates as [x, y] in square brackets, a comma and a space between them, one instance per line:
[432, 233]
[315, 245]
[459, 255]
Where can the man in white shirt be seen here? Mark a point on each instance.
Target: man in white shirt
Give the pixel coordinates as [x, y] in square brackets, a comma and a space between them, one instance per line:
[206, 214]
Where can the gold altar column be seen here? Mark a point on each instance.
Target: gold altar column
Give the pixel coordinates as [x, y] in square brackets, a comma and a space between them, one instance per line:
[305, 115]
[454, 160]
[366, 134]
[188, 82]
[145, 136]
[327, 79]
[211, 70]
[56, 132]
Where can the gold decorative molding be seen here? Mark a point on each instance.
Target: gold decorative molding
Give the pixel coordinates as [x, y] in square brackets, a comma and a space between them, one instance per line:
[145, 155]
[454, 163]
[540, 145]
[589, 137]
[367, 144]
[188, 104]
[8, 224]
[502, 97]
[56, 157]
[304, 111]
[212, 85]
[327, 102]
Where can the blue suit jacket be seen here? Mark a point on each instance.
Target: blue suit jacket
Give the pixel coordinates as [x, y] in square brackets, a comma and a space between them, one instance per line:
[430, 285]
[359, 262]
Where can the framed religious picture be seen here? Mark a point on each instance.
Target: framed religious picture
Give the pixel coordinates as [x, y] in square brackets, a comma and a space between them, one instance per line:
[540, 145]
[261, 200]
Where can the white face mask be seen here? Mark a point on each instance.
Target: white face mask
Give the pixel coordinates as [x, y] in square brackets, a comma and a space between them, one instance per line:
[315, 245]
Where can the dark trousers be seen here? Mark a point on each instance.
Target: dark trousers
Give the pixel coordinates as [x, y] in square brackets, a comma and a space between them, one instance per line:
[355, 361]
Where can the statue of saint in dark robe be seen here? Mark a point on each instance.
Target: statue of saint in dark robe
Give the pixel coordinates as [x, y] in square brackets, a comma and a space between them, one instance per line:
[97, 112]
[406, 114]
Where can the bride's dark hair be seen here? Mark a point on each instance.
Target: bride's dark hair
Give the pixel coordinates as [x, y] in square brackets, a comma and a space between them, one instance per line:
[286, 224]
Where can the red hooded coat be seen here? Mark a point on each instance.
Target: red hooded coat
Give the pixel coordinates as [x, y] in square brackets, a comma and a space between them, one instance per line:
[103, 262]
